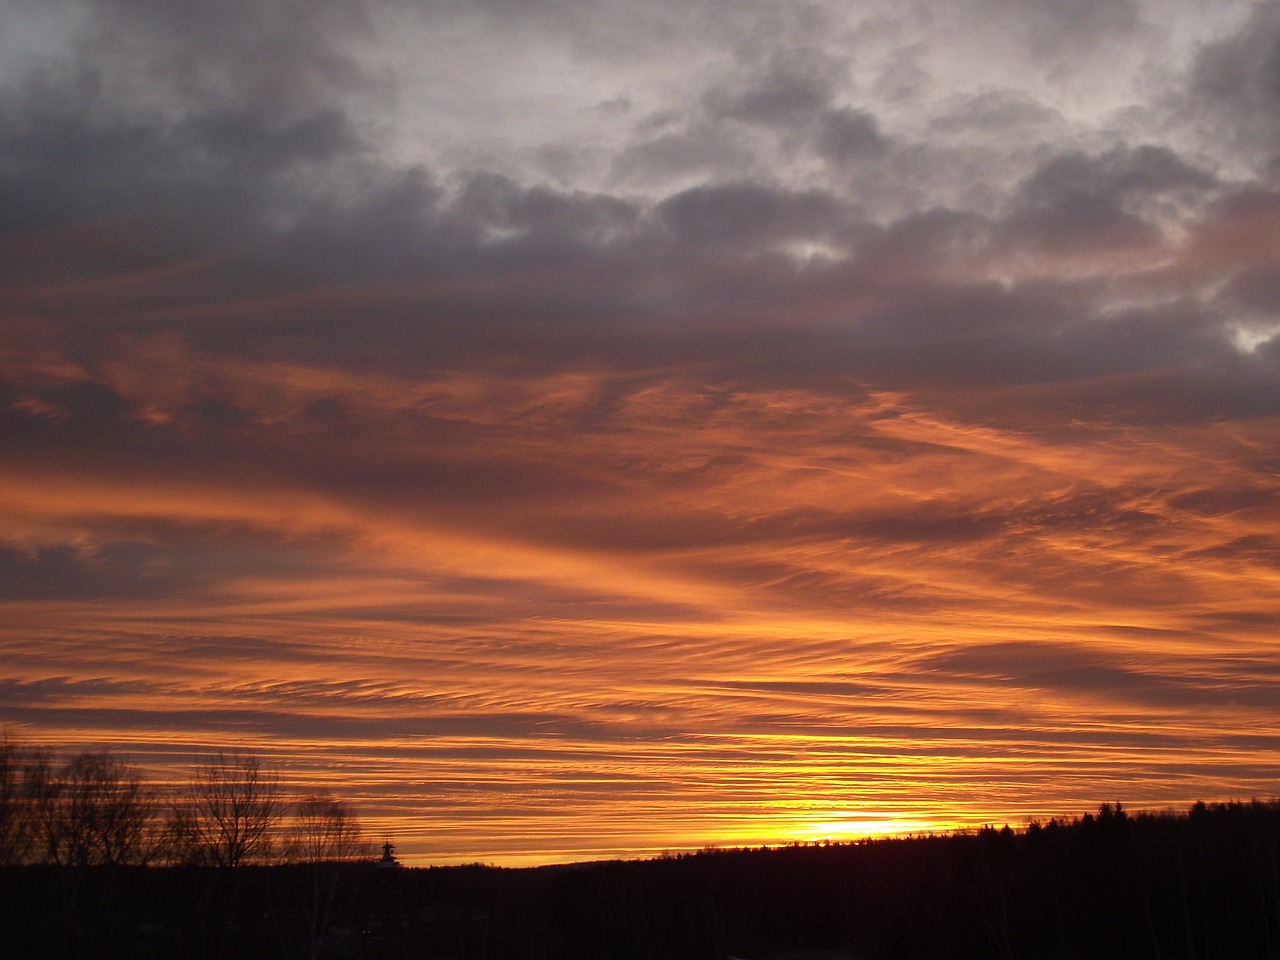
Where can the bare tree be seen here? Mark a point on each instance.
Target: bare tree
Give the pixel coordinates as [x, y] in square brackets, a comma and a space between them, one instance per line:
[93, 811]
[15, 819]
[41, 799]
[325, 830]
[230, 812]
[325, 839]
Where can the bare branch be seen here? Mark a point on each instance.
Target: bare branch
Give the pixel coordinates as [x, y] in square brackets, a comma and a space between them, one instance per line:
[230, 813]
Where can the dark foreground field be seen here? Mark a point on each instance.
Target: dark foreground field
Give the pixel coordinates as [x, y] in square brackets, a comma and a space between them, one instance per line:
[1200, 885]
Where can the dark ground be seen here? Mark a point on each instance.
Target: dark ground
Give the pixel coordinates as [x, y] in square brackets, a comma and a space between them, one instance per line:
[1204, 885]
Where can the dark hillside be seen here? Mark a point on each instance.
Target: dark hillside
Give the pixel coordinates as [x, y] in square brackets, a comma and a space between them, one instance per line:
[1200, 885]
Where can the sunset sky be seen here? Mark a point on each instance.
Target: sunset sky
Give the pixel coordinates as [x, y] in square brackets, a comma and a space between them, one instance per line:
[573, 430]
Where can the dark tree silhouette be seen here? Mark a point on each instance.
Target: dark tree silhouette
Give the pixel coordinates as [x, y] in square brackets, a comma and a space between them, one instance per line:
[228, 813]
[15, 823]
[324, 842]
[93, 811]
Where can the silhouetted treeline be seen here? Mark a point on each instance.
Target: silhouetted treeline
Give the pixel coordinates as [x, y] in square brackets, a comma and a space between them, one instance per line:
[98, 863]
[94, 809]
[1200, 885]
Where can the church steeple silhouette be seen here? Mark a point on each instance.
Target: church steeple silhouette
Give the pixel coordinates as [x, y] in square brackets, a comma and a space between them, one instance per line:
[388, 856]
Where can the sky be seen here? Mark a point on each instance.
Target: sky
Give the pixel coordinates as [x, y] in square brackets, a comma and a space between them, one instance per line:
[577, 430]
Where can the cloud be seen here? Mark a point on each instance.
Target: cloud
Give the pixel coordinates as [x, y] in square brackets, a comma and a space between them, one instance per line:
[1100, 676]
[848, 135]
[1064, 29]
[498, 207]
[788, 94]
[272, 53]
[524, 399]
[999, 113]
[1233, 88]
[1112, 200]
[744, 216]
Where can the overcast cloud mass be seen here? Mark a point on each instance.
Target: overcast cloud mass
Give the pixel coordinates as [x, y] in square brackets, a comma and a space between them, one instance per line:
[572, 430]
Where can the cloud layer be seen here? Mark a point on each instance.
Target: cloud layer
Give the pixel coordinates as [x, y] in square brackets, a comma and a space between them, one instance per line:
[588, 432]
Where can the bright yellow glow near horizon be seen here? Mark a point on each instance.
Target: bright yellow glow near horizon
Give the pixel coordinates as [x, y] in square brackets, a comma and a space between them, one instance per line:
[852, 829]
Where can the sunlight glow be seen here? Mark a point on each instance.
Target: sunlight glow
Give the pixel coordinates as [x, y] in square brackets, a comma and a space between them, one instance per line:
[841, 830]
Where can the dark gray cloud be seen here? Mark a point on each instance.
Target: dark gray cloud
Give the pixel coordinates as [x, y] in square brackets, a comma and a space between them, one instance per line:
[279, 54]
[1001, 114]
[287, 194]
[1075, 198]
[789, 94]
[697, 151]
[742, 217]
[1235, 88]
[846, 135]
[1057, 30]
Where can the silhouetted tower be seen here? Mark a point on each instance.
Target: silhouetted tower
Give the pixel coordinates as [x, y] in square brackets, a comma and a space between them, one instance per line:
[388, 856]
